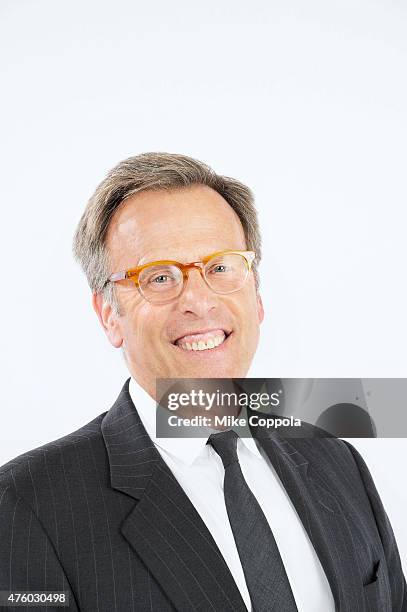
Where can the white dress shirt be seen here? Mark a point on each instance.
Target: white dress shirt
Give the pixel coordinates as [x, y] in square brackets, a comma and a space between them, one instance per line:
[200, 472]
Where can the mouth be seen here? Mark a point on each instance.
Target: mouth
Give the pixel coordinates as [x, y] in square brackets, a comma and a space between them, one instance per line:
[208, 340]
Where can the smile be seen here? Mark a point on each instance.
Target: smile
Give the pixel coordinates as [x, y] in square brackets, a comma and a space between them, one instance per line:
[202, 341]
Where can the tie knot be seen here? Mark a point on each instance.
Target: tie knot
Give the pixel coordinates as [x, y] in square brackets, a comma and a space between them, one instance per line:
[225, 444]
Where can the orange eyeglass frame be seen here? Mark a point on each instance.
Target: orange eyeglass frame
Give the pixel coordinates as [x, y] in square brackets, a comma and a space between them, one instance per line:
[133, 273]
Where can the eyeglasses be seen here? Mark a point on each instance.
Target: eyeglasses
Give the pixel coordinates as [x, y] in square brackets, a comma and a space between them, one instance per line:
[160, 282]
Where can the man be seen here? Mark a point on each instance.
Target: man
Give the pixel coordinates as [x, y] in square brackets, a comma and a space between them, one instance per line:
[122, 520]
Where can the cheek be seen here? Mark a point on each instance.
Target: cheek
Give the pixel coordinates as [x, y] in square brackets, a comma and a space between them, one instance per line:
[248, 309]
[143, 328]
[250, 323]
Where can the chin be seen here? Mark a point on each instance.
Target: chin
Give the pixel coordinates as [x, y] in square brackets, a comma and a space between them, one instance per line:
[217, 372]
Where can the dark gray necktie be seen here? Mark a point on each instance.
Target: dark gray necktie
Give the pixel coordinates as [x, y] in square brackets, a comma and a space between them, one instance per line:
[263, 568]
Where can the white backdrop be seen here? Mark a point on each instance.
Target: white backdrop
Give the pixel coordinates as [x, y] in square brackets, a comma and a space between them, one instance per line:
[306, 102]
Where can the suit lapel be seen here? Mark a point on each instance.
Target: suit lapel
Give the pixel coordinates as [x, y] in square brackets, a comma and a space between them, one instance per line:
[321, 514]
[164, 528]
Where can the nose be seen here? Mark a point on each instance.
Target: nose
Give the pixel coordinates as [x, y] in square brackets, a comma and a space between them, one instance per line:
[197, 298]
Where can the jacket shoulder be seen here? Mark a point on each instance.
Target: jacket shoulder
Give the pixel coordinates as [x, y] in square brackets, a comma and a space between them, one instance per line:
[325, 447]
[44, 461]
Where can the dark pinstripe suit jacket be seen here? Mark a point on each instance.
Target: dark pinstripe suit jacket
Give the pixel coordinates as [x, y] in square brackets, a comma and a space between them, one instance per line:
[99, 514]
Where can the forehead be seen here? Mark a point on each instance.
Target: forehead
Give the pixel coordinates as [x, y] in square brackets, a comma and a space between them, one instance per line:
[181, 224]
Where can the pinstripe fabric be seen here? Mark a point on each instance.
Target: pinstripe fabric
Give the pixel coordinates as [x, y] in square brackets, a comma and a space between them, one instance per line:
[99, 514]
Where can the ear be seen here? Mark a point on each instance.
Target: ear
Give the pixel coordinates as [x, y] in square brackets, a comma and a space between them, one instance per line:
[260, 309]
[108, 320]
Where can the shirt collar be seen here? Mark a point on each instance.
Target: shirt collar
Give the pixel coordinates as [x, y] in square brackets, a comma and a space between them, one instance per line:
[185, 450]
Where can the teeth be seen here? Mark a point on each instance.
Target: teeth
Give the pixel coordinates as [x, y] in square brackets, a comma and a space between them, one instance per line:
[203, 346]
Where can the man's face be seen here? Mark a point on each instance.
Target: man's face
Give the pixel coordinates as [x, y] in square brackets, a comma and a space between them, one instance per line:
[182, 225]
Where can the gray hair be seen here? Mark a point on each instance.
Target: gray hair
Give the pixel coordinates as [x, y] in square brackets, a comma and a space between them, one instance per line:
[153, 172]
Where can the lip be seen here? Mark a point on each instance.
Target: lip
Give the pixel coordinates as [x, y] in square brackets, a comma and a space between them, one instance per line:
[207, 353]
[203, 331]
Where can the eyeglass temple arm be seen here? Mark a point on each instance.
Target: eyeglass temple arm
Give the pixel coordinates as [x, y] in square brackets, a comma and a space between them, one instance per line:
[117, 276]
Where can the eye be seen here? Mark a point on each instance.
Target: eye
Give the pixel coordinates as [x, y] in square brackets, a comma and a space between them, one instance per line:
[219, 268]
[161, 279]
